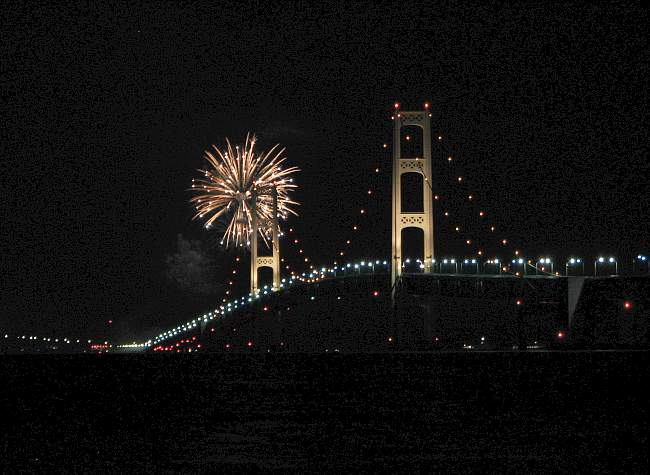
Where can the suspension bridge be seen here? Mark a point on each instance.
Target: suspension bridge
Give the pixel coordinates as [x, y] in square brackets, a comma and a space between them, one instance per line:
[427, 302]
[397, 302]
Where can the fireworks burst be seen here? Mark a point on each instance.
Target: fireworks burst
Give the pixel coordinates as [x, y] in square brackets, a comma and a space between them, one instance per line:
[226, 190]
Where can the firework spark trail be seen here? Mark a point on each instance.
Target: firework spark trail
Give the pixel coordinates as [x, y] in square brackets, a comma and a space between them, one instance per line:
[228, 187]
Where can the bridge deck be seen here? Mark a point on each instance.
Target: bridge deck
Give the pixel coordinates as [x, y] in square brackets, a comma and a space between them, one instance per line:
[478, 276]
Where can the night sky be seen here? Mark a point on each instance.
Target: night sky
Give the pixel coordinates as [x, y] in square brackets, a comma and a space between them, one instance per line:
[107, 113]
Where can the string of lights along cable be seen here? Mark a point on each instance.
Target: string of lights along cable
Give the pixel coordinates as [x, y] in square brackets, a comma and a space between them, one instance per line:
[443, 209]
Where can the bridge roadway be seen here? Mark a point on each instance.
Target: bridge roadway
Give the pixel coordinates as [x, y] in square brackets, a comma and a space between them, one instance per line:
[360, 312]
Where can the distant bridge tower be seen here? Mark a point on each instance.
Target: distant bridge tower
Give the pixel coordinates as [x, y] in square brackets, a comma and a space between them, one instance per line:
[422, 165]
[272, 261]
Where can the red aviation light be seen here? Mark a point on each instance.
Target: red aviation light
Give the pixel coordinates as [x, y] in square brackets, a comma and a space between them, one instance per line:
[627, 305]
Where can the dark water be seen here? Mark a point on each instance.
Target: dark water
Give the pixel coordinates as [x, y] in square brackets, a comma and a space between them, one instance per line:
[485, 412]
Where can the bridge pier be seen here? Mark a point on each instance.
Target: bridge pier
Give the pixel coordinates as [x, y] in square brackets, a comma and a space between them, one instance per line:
[574, 287]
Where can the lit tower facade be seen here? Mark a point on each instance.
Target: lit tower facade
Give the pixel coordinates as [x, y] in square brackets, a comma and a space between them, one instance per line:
[272, 261]
[422, 165]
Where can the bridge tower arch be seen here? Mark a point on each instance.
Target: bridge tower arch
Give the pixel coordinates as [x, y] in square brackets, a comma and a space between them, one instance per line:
[258, 261]
[402, 165]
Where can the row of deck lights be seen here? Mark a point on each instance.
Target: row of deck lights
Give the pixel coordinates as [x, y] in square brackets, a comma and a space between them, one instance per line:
[316, 275]
[223, 310]
[220, 312]
[520, 265]
[311, 277]
[322, 273]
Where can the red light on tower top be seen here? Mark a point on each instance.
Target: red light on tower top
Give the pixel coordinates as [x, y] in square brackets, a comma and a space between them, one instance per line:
[396, 105]
[426, 105]
[627, 305]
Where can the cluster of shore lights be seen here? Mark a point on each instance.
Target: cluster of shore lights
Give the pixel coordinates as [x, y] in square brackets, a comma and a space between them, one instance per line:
[48, 339]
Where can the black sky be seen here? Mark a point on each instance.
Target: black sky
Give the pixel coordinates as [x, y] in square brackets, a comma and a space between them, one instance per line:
[108, 109]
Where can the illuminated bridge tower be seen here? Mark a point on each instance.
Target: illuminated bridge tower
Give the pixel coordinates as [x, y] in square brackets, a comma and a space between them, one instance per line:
[422, 165]
[272, 261]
